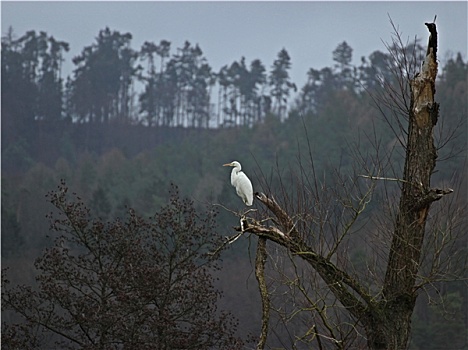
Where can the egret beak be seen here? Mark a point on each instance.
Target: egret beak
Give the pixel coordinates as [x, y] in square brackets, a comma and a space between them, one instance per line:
[228, 164]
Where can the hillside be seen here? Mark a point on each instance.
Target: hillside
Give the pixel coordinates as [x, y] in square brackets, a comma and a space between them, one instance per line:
[115, 160]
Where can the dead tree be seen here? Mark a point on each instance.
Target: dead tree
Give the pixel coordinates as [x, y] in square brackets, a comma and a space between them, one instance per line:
[385, 316]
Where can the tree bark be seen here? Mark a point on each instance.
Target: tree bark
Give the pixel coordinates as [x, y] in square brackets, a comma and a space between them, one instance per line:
[393, 326]
[260, 262]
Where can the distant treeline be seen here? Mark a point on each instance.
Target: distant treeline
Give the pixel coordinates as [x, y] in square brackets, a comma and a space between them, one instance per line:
[179, 88]
[45, 115]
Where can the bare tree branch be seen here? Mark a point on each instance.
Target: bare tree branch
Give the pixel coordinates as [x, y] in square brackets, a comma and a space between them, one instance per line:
[336, 279]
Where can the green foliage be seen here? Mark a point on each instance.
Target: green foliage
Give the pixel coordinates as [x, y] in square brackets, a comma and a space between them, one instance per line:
[100, 89]
[31, 82]
[280, 82]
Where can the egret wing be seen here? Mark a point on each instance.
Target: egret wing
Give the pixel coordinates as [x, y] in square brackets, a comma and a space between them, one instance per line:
[244, 188]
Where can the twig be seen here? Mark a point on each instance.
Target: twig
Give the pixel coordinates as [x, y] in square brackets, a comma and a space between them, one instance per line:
[229, 240]
[382, 178]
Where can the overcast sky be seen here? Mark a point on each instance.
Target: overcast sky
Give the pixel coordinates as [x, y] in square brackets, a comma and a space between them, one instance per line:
[226, 31]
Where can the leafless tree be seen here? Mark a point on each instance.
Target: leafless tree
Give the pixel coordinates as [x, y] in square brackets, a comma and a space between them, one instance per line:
[339, 300]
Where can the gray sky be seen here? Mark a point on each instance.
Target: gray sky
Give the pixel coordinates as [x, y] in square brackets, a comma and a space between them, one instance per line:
[226, 31]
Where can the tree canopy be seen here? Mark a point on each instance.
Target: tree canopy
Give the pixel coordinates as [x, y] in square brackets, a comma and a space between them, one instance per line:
[129, 283]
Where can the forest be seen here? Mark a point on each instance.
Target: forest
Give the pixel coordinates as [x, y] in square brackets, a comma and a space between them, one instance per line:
[138, 136]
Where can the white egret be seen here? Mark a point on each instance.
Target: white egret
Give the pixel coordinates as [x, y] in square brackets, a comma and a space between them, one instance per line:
[241, 182]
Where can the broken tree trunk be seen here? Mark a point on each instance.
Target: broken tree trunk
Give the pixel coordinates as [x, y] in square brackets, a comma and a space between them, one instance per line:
[399, 292]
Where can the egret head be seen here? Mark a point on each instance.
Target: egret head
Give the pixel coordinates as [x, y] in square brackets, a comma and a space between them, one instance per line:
[235, 164]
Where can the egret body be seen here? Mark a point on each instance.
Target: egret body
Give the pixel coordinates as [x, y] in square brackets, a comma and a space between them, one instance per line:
[241, 182]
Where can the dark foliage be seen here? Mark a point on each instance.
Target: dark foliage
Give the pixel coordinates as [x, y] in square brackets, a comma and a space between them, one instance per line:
[128, 284]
